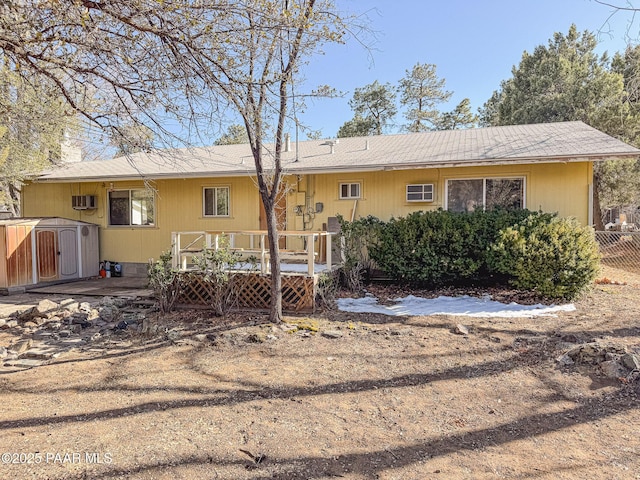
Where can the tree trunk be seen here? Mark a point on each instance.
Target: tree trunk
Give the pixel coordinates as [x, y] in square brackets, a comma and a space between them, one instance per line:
[275, 313]
[597, 210]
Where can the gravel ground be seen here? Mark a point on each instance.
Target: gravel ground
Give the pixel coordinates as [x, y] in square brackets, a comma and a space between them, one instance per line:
[335, 395]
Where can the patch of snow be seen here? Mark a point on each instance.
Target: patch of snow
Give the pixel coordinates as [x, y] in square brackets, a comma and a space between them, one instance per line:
[464, 305]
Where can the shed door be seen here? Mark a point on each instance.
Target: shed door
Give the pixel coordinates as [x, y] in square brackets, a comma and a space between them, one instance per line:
[68, 262]
[47, 254]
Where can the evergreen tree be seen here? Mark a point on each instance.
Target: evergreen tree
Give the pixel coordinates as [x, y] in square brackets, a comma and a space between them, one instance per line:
[420, 91]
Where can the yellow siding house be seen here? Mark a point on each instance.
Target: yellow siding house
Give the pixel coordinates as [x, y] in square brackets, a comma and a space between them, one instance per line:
[139, 201]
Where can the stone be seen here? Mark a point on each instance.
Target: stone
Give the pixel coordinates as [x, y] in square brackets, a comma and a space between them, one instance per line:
[108, 312]
[461, 330]
[39, 354]
[565, 360]
[29, 324]
[21, 345]
[331, 334]
[174, 334]
[42, 335]
[69, 305]
[589, 353]
[23, 363]
[201, 337]
[85, 307]
[3, 352]
[632, 362]
[258, 337]
[46, 307]
[3, 323]
[612, 369]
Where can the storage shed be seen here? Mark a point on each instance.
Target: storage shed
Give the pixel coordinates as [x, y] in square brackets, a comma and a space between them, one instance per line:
[40, 250]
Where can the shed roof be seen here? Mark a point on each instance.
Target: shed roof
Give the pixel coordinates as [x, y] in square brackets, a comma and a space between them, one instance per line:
[517, 144]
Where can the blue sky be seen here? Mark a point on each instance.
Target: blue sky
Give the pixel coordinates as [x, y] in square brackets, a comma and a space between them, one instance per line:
[473, 43]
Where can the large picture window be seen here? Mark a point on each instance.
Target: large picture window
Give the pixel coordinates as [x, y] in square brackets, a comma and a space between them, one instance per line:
[131, 208]
[485, 193]
[216, 202]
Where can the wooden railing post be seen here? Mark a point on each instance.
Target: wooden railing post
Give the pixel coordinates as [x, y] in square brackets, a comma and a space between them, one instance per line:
[328, 252]
[175, 249]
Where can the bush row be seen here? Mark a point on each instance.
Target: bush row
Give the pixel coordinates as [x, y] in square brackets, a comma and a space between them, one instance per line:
[537, 251]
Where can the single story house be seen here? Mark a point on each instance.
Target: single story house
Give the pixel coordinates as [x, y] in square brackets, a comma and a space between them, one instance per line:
[140, 200]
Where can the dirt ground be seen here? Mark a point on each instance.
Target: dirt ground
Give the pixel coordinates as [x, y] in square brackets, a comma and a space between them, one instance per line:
[364, 397]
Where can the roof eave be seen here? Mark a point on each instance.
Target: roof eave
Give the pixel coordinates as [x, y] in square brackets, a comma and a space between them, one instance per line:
[306, 169]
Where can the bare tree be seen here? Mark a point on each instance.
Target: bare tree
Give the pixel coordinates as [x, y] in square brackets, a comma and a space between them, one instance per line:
[122, 63]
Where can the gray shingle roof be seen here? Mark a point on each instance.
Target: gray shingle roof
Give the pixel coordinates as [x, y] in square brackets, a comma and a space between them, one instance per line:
[552, 142]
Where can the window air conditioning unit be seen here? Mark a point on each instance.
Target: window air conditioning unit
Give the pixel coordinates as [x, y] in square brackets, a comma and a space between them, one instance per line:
[83, 202]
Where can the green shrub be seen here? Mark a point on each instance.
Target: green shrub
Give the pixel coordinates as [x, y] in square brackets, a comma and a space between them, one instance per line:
[355, 239]
[164, 281]
[214, 266]
[555, 257]
[440, 247]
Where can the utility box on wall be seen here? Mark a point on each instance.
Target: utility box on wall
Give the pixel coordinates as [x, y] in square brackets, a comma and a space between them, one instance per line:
[38, 250]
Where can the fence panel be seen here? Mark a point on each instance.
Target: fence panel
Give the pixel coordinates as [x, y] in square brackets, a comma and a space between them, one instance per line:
[620, 249]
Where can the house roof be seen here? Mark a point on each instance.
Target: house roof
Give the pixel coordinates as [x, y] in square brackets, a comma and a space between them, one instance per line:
[517, 144]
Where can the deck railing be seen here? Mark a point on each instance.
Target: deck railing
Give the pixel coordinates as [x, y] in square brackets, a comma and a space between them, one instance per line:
[252, 244]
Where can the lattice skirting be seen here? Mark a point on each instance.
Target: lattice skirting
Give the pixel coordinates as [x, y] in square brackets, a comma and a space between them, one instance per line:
[252, 291]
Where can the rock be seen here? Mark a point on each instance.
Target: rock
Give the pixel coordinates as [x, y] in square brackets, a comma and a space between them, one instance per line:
[589, 353]
[21, 345]
[565, 360]
[69, 305]
[42, 335]
[23, 363]
[258, 337]
[632, 362]
[85, 307]
[46, 307]
[612, 369]
[286, 327]
[11, 324]
[461, 330]
[108, 312]
[39, 354]
[78, 318]
[201, 337]
[174, 334]
[29, 324]
[3, 322]
[331, 334]
[3, 352]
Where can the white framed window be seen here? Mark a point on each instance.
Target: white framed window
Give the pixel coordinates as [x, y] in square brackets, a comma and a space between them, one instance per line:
[349, 190]
[420, 192]
[466, 195]
[132, 208]
[215, 201]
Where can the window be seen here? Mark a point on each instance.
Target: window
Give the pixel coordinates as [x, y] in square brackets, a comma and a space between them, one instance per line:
[349, 190]
[216, 202]
[131, 207]
[485, 193]
[420, 193]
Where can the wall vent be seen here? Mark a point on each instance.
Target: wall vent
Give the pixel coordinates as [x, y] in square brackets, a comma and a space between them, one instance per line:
[83, 202]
